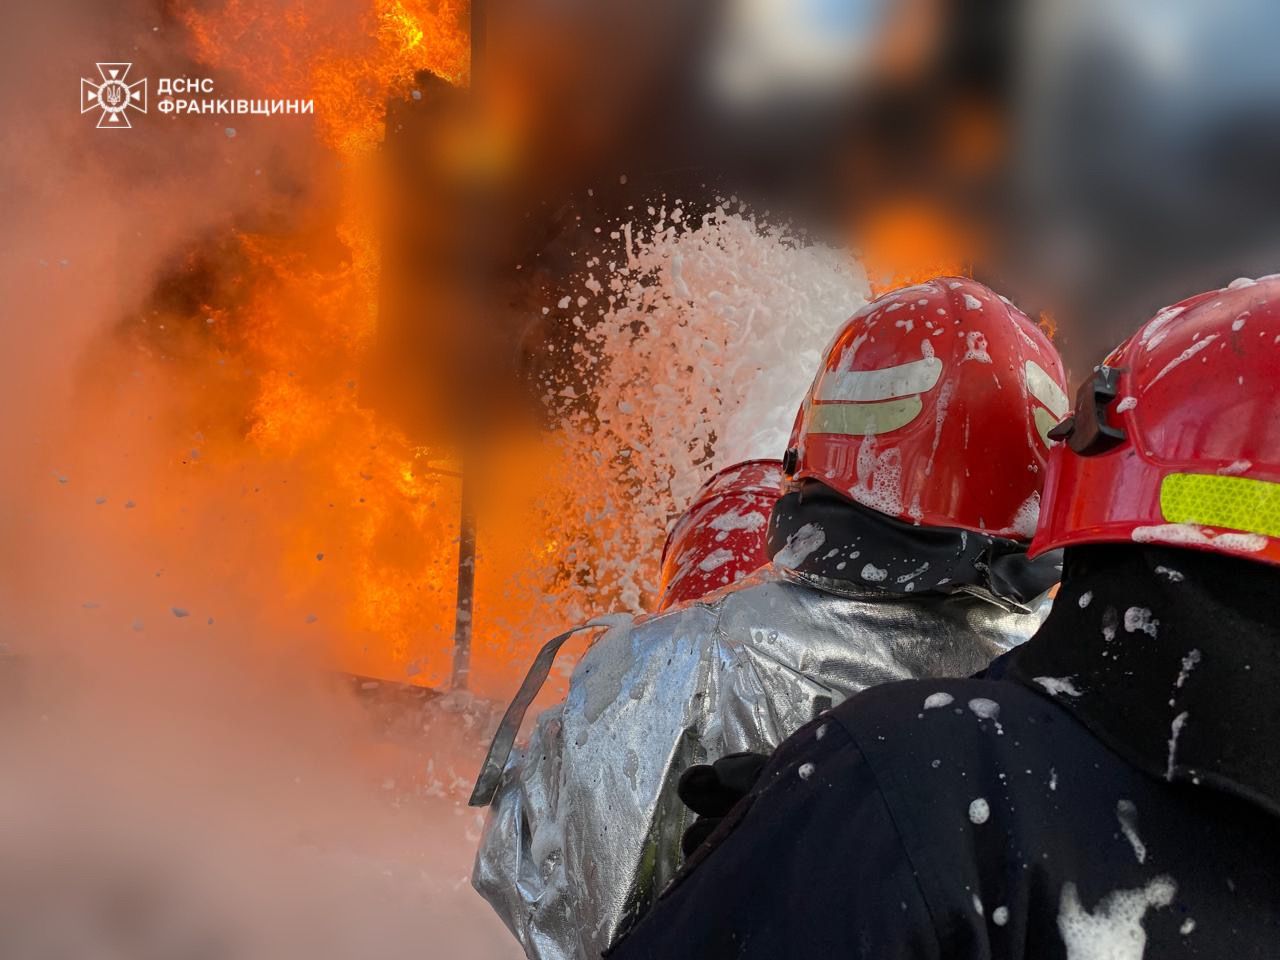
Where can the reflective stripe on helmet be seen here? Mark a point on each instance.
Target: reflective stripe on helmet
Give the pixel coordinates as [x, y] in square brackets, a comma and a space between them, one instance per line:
[1045, 421]
[863, 419]
[1231, 503]
[1044, 389]
[888, 383]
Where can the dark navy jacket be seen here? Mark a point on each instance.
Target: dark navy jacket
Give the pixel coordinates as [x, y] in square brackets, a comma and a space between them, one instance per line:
[1064, 812]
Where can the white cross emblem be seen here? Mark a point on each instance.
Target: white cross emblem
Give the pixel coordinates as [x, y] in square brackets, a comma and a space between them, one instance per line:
[114, 96]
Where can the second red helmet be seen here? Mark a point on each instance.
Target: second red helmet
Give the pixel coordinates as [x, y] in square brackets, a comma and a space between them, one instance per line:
[721, 537]
[933, 405]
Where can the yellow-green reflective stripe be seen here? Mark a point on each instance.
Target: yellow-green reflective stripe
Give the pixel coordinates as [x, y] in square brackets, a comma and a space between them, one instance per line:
[1233, 503]
[863, 419]
[1045, 421]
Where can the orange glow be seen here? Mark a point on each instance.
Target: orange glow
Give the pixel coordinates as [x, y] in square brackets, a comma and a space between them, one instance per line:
[911, 241]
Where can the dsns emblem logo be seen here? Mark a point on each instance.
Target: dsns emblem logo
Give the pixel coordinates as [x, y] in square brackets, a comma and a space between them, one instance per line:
[114, 96]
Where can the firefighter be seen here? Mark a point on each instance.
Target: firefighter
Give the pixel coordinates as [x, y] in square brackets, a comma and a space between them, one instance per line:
[719, 539]
[1117, 793]
[913, 480]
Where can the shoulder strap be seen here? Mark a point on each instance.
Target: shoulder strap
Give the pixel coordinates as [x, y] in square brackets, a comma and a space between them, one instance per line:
[500, 749]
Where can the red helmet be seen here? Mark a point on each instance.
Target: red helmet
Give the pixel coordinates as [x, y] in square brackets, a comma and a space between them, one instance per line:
[721, 537]
[933, 405]
[1176, 437]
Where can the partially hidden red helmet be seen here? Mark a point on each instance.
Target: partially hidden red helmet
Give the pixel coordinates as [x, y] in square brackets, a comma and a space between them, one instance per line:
[933, 405]
[721, 537]
[1175, 438]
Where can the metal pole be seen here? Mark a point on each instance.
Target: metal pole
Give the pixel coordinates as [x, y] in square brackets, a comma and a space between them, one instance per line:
[465, 604]
[466, 589]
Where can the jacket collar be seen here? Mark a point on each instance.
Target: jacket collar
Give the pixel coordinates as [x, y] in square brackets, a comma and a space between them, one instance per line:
[1172, 658]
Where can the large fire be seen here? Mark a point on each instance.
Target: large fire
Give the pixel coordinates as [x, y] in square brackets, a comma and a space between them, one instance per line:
[279, 345]
[275, 414]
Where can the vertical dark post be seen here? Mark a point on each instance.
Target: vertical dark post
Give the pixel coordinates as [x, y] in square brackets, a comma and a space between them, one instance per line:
[466, 588]
[465, 604]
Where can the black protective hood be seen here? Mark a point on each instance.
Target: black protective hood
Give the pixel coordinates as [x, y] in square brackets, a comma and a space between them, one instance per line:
[817, 532]
[1172, 658]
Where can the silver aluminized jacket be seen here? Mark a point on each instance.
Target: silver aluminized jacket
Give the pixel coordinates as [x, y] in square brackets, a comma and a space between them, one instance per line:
[585, 827]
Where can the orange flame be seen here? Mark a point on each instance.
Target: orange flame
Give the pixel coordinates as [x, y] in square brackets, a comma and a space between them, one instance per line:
[1049, 324]
[349, 73]
[372, 534]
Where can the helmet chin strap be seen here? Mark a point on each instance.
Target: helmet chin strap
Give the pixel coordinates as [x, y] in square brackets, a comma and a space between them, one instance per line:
[1086, 430]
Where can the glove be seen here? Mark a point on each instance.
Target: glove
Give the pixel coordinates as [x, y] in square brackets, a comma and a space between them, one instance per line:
[712, 790]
